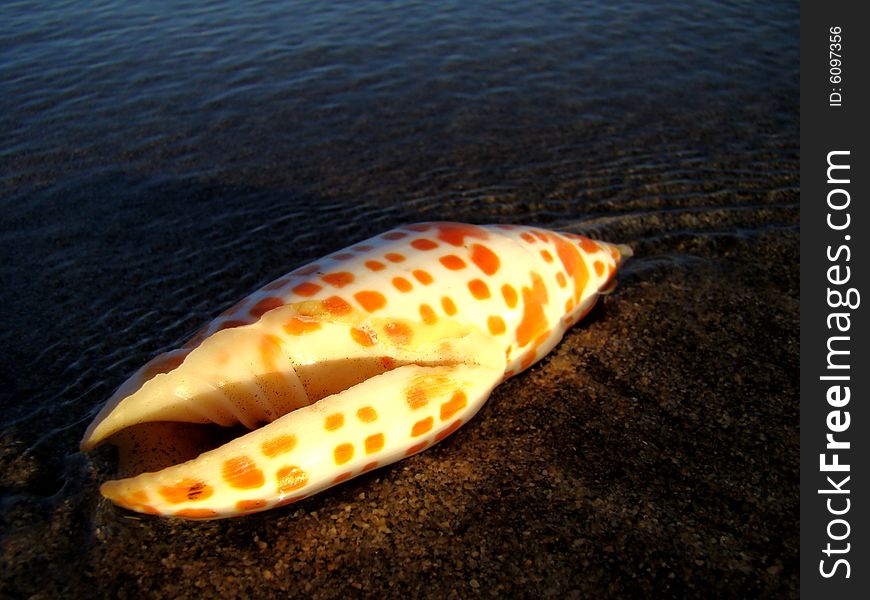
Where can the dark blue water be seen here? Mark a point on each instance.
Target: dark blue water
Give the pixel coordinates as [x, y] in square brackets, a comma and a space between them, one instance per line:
[295, 93]
[159, 160]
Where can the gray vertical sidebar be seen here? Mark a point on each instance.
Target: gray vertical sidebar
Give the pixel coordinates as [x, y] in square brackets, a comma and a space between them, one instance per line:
[835, 298]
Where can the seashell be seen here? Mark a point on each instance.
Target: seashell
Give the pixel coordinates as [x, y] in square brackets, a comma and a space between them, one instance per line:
[367, 356]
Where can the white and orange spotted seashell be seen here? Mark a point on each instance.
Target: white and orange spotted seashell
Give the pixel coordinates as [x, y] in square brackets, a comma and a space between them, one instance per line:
[371, 354]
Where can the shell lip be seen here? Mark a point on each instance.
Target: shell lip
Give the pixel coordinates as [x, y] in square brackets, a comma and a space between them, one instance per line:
[153, 439]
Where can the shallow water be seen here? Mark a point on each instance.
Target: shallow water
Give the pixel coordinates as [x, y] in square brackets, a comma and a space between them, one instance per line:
[161, 160]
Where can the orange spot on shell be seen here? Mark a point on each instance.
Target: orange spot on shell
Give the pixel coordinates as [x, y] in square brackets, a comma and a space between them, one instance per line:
[573, 264]
[280, 444]
[419, 227]
[247, 505]
[265, 305]
[362, 248]
[300, 325]
[510, 295]
[456, 403]
[422, 276]
[343, 477]
[184, 490]
[306, 270]
[306, 289]
[424, 244]
[370, 300]
[485, 259]
[423, 387]
[374, 443]
[448, 306]
[599, 267]
[196, 513]
[560, 279]
[394, 257]
[455, 233]
[242, 473]
[416, 448]
[394, 235]
[369, 466]
[291, 478]
[450, 429]
[428, 314]
[363, 337]
[545, 254]
[452, 262]
[417, 397]
[342, 256]
[528, 237]
[277, 284]
[336, 306]
[367, 414]
[343, 453]
[333, 421]
[541, 235]
[399, 333]
[478, 289]
[338, 279]
[402, 284]
[534, 321]
[271, 348]
[374, 265]
[495, 324]
[588, 245]
[422, 426]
